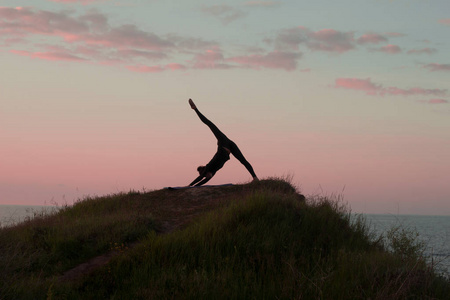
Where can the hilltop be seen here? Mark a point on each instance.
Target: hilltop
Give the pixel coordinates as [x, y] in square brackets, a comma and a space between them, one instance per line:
[258, 240]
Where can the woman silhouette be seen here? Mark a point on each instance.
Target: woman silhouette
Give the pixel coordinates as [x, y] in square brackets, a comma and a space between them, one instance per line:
[225, 146]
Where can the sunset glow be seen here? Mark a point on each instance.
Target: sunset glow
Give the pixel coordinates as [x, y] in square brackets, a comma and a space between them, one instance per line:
[348, 97]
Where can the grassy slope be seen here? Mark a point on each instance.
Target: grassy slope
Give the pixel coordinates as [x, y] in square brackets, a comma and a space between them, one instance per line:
[248, 241]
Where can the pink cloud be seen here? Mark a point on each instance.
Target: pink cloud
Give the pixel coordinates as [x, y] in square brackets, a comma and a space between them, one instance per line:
[437, 101]
[210, 59]
[272, 60]
[413, 91]
[422, 51]
[444, 21]
[89, 36]
[25, 21]
[371, 88]
[371, 38]
[390, 49]
[12, 41]
[145, 69]
[125, 36]
[175, 66]
[54, 56]
[437, 67]
[97, 21]
[155, 69]
[358, 84]
[150, 55]
[89, 28]
[87, 51]
[214, 59]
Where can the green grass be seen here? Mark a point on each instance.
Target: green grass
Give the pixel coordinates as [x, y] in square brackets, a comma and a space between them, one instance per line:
[255, 241]
[37, 249]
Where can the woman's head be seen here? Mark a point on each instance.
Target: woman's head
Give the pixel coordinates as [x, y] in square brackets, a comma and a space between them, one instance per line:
[201, 169]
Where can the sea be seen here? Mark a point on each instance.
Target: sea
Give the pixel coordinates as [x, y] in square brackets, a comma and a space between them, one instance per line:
[433, 231]
[13, 214]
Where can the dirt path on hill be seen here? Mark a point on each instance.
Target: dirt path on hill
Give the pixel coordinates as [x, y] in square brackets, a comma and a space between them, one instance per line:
[172, 211]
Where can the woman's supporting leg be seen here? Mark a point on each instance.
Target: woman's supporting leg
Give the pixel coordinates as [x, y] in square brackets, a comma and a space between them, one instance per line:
[239, 156]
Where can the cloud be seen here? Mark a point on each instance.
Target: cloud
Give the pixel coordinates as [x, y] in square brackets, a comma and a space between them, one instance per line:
[290, 39]
[175, 66]
[132, 53]
[54, 56]
[210, 59]
[22, 22]
[271, 60]
[78, 1]
[189, 43]
[97, 21]
[262, 3]
[371, 38]
[394, 34]
[155, 69]
[374, 89]
[87, 37]
[331, 40]
[327, 40]
[413, 91]
[422, 51]
[225, 13]
[9, 42]
[365, 85]
[145, 69]
[214, 59]
[437, 67]
[444, 21]
[390, 49]
[436, 101]
[91, 37]
[125, 36]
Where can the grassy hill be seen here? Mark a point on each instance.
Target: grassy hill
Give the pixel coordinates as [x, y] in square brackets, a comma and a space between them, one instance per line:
[260, 240]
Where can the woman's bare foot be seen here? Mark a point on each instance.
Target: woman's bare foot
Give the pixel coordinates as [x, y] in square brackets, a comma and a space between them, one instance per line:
[191, 103]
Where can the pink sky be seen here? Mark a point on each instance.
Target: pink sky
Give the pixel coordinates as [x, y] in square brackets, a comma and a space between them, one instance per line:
[348, 98]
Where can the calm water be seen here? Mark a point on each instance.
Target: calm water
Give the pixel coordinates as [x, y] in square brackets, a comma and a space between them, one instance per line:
[12, 214]
[433, 230]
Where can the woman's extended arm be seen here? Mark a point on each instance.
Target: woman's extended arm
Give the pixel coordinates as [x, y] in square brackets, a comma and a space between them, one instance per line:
[203, 181]
[205, 178]
[196, 180]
